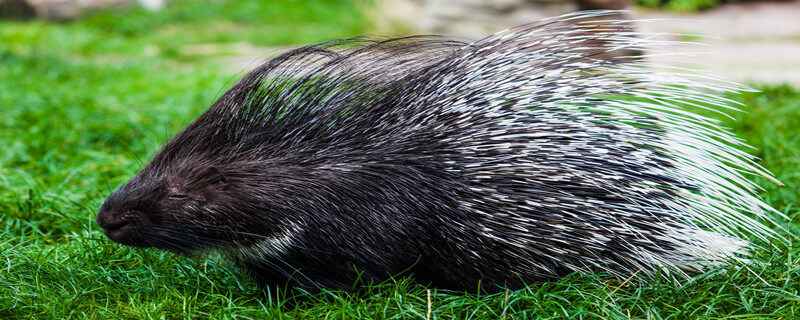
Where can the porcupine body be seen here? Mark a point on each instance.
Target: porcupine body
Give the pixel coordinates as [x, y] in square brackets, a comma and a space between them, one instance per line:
[517, 158]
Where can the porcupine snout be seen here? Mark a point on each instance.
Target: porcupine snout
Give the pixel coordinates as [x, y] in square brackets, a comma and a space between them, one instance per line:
[116, 225]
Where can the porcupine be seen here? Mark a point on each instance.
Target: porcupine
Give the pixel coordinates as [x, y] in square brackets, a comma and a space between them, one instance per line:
[518, 158]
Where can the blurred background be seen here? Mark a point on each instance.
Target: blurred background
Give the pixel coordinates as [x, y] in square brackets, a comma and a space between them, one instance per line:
[748, 41]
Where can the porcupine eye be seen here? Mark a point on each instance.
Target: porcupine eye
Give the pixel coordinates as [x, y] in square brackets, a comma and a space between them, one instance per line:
[178, 196]
[146, 212]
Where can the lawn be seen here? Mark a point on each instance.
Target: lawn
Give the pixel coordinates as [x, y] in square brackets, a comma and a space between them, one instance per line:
[85, 103]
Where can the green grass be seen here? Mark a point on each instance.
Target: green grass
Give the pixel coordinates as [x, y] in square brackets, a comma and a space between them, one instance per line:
[679, 5]
[85, 102]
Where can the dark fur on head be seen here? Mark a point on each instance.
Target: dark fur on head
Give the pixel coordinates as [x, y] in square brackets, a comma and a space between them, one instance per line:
[278, 153]
[507, 160]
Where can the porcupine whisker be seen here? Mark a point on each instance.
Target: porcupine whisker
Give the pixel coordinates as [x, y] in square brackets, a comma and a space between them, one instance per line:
[130, 152]
[258, 257]
[105, 179]
[263, 256]
[288, 275]
[164, 242]
[176, 235]
[189, 238]
[247, 234]
[97, 186]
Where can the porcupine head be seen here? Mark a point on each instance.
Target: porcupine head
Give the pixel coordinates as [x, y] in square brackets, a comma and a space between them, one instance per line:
[521, 157]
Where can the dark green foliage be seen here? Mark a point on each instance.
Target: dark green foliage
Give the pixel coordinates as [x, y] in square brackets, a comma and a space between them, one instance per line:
[84, 104]
[679, 5]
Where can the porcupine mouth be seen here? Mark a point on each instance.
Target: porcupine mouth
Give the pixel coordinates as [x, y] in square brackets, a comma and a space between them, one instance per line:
[133, 236]
[123, 232]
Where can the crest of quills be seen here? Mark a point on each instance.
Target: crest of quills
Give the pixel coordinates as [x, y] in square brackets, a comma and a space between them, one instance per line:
[522, 157]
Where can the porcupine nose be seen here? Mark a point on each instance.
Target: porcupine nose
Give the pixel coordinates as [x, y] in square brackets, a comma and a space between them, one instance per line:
[116, 226]
[110, 224]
